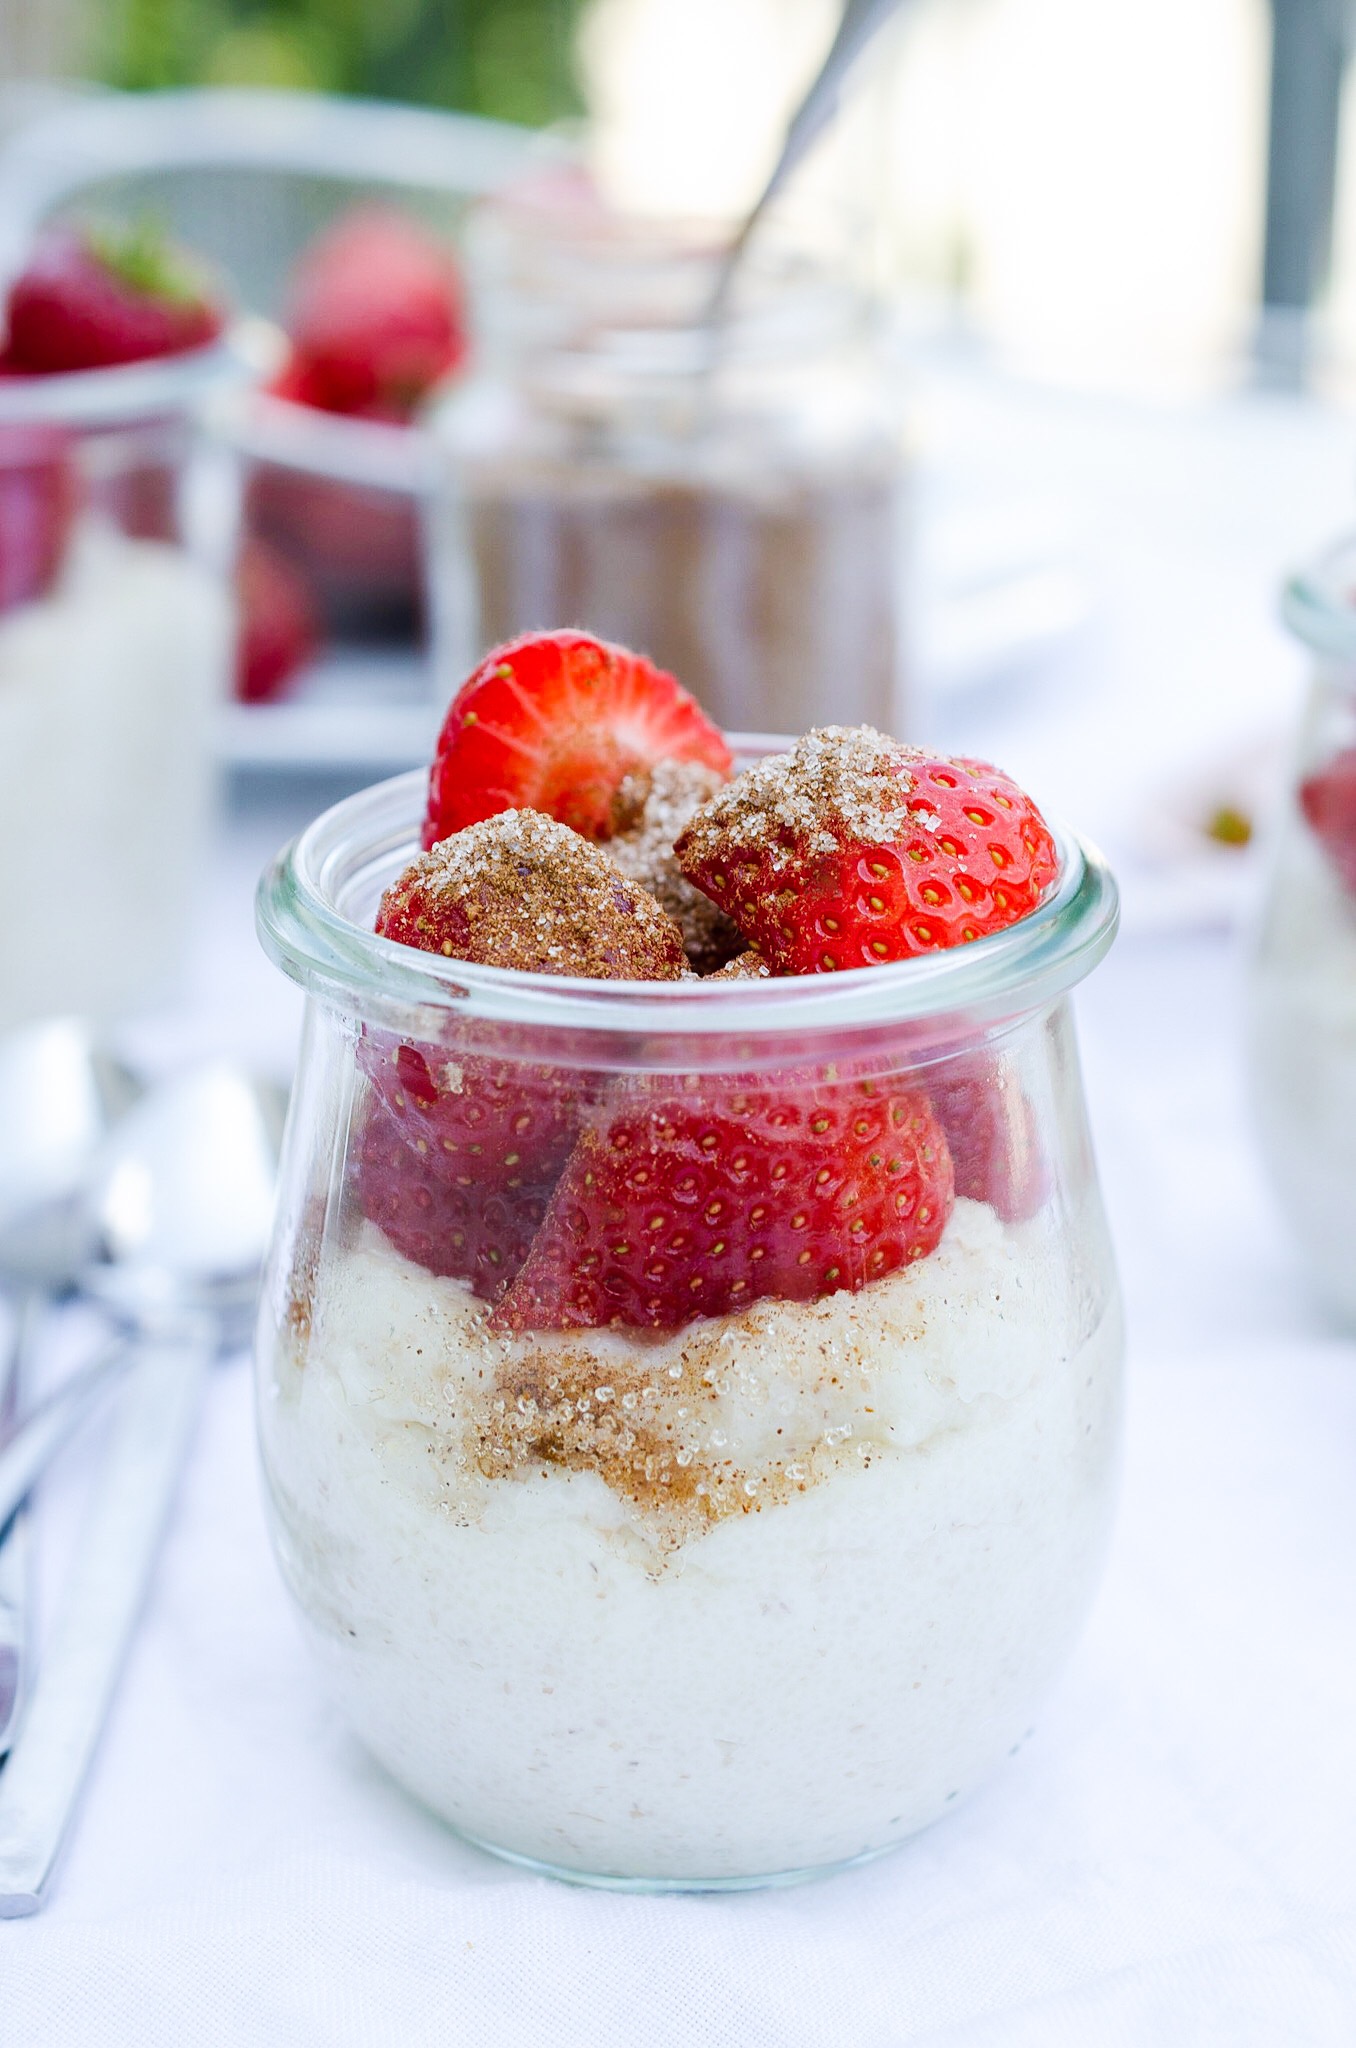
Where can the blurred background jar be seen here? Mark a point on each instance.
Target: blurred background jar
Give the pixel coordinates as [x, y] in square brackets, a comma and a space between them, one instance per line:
[116, 643]
[1302, 999]
[728, 500]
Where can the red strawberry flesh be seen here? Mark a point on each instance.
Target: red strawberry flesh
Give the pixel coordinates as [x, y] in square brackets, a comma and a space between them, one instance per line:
[1328, 801]
[92, 298]
[279, 630]
[37, 503]
[992, 1131]
[853, 850]
[556, 722]
[455, 1160]
[691, 1199]
[375, 317]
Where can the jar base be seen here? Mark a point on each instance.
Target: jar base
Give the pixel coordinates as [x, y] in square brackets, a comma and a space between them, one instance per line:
[602, 1881]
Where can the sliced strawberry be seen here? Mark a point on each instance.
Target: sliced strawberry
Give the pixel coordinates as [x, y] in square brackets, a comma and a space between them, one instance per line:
[38, 493]
[853, 850]
[279, 631]
[1328, 801]
[375, 317]
[993, 1134]
[695, 1198]
[92, 297]
[555, 722]
[455, 1160]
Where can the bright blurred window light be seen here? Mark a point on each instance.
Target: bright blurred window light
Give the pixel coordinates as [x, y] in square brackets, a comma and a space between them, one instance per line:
[1081, 185]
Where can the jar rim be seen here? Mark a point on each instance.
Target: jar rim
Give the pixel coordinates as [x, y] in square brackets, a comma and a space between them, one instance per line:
[127, 392]
[306, 932]
[1318, 602]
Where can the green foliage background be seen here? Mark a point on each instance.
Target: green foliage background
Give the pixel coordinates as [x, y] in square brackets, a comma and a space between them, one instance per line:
[509, 58]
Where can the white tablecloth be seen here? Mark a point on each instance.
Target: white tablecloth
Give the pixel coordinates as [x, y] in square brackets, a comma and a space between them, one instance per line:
[1172, 1856]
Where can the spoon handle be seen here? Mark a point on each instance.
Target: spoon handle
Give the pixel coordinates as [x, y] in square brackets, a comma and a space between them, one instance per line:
[859, 22]
[102, 1601]
[16, 1575]
[26, 1453]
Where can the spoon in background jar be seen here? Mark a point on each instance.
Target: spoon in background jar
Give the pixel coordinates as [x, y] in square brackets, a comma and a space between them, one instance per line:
[180, 1207]
[859, 22]
[59, 1096]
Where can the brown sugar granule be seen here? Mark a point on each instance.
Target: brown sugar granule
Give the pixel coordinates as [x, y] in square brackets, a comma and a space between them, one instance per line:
[837, 781]
[750, 966]
[519, 890]
[646, 1428]
[649, 811]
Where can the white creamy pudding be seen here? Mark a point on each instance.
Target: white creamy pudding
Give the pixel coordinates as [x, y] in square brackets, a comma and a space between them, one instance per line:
[107, 685]
[761, 1595]
[1302, 1057]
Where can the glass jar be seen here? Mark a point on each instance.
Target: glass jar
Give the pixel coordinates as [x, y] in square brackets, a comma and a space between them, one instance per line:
[116, 639]
[726, 1604]
[1302, 977]
[337, 498]
[730, 505]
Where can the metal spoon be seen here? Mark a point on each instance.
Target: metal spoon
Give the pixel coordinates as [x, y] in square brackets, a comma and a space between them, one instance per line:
[59, 1094]
[181, 1208]
[859, 23]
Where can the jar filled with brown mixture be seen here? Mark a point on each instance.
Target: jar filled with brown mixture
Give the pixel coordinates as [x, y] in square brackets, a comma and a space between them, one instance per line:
[727, 501]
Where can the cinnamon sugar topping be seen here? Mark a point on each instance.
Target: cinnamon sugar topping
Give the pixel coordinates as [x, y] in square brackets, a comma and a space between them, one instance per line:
[837, 782]
[519, 890]
[649, 811]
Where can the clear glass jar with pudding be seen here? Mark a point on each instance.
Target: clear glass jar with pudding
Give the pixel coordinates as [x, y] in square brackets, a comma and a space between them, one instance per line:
[733, 506]
[730, 1602]
[116, 640]
[1301, 1008]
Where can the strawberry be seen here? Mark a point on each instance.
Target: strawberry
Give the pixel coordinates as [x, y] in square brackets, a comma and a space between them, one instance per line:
[555, 722]
[37, 503]
[457, 1170]
[95, 296]
[1328, 801]
[456, 1158]
[279, 631]
[852, 850]
[696, 1197]
[375, 317]
[992, 1133]
[519, 890]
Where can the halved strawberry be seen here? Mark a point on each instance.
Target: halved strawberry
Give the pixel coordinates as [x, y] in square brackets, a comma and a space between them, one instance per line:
[95, 296]
[696, 1197]
[555, 722]
[852, 850]
[1328, 801]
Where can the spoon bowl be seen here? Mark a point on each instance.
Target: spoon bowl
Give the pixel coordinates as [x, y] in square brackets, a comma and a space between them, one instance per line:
[180, 1204]
[59, 1098]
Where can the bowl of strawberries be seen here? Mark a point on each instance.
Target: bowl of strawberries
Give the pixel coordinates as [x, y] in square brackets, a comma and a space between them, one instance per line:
[689, 1362]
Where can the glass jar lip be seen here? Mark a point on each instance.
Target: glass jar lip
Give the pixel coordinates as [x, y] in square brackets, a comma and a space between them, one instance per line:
[128, 392]
[1318, 602]
[347, 966]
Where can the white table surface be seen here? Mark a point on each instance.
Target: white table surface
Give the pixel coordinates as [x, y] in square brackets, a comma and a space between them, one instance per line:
[1172, 1857]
